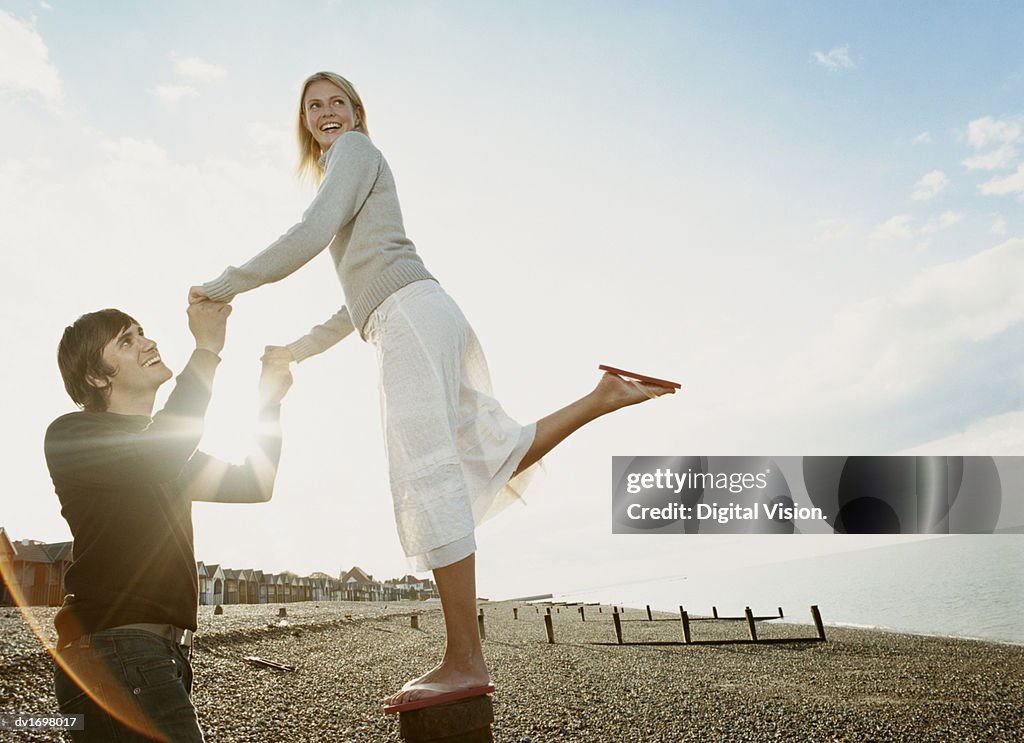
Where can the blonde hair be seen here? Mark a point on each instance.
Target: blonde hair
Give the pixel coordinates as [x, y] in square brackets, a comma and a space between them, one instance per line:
[309, 150]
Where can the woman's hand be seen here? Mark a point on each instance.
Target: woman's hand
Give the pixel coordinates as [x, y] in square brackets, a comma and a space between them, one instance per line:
[196, 294]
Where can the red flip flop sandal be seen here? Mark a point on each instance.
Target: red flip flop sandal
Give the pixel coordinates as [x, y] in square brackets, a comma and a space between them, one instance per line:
[640, 377]
[433, 701]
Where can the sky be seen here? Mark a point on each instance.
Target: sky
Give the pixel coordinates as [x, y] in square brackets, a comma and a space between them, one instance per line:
[808, 213]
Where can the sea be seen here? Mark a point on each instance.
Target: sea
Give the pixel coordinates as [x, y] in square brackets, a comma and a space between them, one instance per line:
[969, 586]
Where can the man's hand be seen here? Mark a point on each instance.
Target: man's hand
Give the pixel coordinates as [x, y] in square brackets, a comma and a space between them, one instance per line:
[196, 294]
[277, 353]
[207, 320]
[275, 376]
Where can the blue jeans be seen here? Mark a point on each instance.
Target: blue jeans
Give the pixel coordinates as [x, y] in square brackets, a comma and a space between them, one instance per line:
[131, 685]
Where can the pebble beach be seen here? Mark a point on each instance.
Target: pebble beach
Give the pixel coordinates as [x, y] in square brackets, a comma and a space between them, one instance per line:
[860, 685]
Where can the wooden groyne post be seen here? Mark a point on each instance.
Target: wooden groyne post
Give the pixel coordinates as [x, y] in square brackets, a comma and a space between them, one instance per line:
[480, 624]
[684, 621]
[750, 624]
[464, 721]
[816, 616]
[549, 627]
[618, 627]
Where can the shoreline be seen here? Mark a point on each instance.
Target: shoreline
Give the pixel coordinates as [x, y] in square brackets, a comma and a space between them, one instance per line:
[859, 685]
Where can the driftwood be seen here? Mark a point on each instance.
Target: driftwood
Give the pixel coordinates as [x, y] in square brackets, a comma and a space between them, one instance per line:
[268, 663]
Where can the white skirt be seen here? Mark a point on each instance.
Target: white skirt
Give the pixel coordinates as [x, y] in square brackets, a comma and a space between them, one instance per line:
[451, 449]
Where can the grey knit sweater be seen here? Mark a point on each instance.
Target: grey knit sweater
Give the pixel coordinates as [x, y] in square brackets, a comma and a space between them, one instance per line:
[356, 212]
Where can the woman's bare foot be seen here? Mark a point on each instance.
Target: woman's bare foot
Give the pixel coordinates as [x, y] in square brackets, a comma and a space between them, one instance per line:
[443, 678]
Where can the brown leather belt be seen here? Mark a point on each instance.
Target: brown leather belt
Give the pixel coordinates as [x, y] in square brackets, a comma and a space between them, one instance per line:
[177, 635]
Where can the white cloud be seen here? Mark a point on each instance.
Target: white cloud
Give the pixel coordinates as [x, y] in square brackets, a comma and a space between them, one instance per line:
[929, 185]
[894, 228]
[985, 131]
[997, 159]
[998, 226]
[832, 230]
[1013, 183]
[837, 58]
[197, 69]
[945, 221]
[24, 60]
[906, 339]
[174, 93]
[922, 138]
[999, 435]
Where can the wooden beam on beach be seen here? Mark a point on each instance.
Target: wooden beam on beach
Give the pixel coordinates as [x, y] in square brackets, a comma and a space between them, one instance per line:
[816, 616]
[684, 620]
[414, 621]
[465, 721]
[480, 624]
[750, 624]
[515, 612]
[549, 628]
[583, 616]
[649, 616]
[618, 627]
[714, 612]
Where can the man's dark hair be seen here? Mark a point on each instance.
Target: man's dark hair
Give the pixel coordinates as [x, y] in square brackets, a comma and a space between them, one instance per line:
[80, 356]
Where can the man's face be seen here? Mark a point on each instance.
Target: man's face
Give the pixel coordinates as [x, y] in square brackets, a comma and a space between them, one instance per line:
[139, 369]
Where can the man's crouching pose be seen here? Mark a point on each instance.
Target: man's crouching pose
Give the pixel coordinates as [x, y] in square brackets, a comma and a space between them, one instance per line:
[126, 480]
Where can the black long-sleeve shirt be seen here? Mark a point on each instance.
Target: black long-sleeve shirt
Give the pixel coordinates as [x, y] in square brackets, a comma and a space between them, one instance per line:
[126, 485]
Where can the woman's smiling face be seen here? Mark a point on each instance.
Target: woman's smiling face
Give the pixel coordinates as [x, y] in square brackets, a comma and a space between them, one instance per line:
[327, 113]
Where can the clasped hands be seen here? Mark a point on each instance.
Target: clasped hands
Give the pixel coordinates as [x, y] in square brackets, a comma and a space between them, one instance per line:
[207, 320]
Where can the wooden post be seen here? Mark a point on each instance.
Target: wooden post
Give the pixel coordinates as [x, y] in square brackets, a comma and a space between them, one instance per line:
[618, 627]
[583, 616]
[414, 621]
[480, 623]
[515, 612]
[550, 629]
[750, 624]
[649, 617]
[780, 612]
[549, 611]
[599, 610]
[282, 612]
[714, 612]
[466, 721]
[816, 616]
[684, 620]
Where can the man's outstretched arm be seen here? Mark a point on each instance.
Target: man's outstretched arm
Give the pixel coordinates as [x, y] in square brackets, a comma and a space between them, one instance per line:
[212, 480]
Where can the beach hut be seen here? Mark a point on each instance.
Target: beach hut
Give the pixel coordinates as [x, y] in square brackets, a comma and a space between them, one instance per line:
[36, 569]
[215, 578]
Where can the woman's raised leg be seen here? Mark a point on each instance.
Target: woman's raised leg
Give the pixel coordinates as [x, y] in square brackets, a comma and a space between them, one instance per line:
[612, 393]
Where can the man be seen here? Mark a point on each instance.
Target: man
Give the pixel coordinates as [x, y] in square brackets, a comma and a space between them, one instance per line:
[126, 480]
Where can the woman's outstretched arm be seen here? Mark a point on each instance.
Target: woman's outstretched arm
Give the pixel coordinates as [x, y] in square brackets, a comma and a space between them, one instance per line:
[353, 165]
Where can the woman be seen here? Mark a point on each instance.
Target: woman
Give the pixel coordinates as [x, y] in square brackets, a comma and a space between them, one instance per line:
[454, 456]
